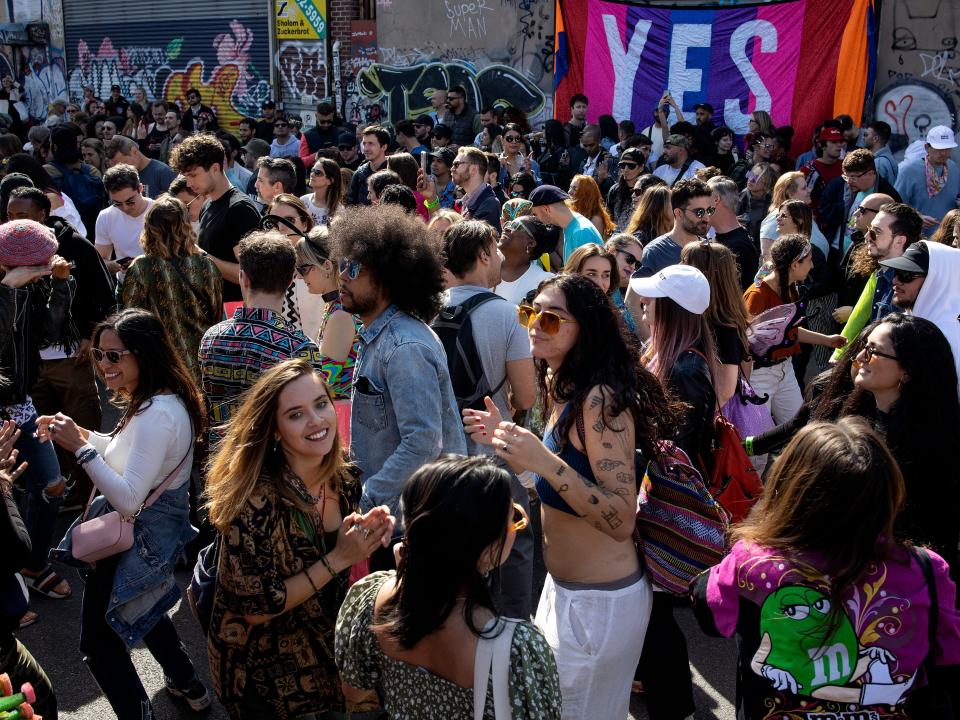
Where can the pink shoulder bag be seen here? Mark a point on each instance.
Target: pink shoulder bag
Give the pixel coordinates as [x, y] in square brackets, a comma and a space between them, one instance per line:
[111, 533]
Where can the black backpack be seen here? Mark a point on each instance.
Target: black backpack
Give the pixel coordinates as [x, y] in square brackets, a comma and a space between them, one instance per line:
[455, 331]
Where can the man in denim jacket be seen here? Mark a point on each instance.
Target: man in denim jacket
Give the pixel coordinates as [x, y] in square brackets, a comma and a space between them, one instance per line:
[404, 412]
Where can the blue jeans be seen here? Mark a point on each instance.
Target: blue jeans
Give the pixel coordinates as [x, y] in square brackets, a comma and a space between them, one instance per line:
[41, 512]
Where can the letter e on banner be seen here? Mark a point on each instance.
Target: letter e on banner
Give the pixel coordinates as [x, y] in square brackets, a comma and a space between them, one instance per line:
[625, 62]
[733, 116]
[681, 78]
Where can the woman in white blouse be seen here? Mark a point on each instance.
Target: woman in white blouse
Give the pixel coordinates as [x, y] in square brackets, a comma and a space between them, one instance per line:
[127, 596]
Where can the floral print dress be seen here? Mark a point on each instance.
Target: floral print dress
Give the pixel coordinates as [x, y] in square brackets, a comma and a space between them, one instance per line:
[413, 693]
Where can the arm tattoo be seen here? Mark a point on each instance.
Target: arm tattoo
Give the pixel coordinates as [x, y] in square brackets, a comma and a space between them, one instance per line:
[607, 464]
[607, 445]
[597, 426]
[561, 470]
[595, 402]
[563, 488]
[624, 478]
[594, 500]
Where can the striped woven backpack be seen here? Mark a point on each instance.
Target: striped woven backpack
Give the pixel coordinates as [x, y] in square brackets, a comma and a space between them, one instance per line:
[680, 528]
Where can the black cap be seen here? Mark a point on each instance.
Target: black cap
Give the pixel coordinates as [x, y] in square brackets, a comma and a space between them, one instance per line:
[423, 120]
[445, 155]
[269, 104]
[347, 139]
[915, 259]
[706, 106]
[632, 155]
[548, 195]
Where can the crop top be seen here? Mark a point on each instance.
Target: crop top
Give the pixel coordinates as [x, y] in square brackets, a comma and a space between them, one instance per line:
[576, 459]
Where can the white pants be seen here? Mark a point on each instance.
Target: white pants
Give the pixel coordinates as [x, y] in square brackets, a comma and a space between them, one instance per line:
[780, 383]
[597, 636]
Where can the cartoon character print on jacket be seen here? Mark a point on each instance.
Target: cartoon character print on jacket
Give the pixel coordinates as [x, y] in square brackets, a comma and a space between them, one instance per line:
[810, 648]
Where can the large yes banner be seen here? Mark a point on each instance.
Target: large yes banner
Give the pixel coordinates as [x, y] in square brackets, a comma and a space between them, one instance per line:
[801, 60]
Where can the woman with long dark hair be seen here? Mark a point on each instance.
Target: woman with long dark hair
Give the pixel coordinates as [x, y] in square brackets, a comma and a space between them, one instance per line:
[594, 262]
[127, 596]
[832, 614]
[326, 191]
[414, 635]
[285, 504]
[516, 156]
[792, 260]
[600, 406]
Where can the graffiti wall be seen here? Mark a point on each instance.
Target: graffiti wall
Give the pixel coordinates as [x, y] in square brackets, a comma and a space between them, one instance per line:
[227, 60]
[301, 30]
[501, 51]
[918, 71]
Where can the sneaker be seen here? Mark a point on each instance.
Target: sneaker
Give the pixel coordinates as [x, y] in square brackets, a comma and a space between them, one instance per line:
[195, 693]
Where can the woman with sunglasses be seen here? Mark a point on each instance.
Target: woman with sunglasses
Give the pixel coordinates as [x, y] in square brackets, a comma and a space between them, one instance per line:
[627, 251]
[127, 596]
[289, 215]
[325, 182]
[832, 610]
[416, 635]
[792, 261]
[521, 185]
[284, 502]
[516, 156]
[653, 215]
[174, 280]
[599, 407]
[338, 339]
[631, 164]
[490, 138]
[522, 242]
[789, 186]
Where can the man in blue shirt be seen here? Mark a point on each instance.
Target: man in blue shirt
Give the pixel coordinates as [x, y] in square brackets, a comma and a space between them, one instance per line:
[931, 184]
[550, 207]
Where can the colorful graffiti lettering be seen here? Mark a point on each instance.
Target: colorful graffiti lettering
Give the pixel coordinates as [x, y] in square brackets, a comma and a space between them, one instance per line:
[407, 90]
[228, 67]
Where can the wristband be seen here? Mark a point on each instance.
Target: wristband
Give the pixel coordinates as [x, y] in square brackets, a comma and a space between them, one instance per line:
[432, 205]
[85, 454]
[326, 564]
[748, 445]
[312, 584]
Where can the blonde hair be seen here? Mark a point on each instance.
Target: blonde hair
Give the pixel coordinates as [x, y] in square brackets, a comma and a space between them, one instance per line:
[248, 454]
[785, 186]
[445, 214]
[578, 257]
[167, 232]
[298, 206]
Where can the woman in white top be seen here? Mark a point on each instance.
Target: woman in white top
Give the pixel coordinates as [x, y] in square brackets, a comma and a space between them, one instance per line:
[523, 241]
[327, 185]
[127, 596]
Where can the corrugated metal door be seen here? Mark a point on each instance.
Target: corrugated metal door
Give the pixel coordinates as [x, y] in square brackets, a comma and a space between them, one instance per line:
[220, 47]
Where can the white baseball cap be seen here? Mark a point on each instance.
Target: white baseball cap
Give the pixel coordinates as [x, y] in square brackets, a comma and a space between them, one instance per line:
[684, 284]
[941, 138]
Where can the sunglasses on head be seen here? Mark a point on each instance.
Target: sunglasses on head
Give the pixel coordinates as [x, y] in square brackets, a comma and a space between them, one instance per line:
[112, 356]
[549, 321]
[702, 212]
[350, 268]
[275, 222]
[905, 276]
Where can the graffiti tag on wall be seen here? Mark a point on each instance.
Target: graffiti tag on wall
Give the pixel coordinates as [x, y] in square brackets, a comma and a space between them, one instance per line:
[406, 91]
[303, 71]
[230, 68]
[918, 73]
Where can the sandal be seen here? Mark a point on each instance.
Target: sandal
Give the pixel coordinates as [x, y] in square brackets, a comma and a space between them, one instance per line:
[28, 619]
[47, 582]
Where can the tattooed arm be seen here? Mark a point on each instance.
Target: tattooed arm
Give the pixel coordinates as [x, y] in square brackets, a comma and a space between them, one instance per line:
[610, 503]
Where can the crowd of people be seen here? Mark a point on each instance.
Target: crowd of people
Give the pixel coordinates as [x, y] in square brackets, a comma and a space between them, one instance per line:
[397, 393]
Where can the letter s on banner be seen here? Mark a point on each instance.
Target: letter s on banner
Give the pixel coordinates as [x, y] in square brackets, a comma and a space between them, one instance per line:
[735, 119]
[625, 62]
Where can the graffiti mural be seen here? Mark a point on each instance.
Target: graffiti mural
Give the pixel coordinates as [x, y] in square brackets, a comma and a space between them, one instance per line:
[918, 72]
[303, 71]
[228, 63]
[406, 91]
[501, 51]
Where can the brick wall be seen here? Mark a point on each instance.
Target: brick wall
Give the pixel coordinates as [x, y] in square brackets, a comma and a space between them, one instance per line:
[339, 14]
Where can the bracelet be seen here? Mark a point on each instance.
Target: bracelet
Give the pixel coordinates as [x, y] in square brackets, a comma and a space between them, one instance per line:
[316, 591]
[432, 206]
[748, 445]
[86, 456]
[326, 564]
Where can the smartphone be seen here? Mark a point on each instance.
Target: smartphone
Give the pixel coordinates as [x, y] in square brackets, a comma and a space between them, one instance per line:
[124, 262]
[425, 163]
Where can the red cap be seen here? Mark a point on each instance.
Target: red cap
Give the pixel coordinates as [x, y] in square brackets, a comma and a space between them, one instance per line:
[830, 134]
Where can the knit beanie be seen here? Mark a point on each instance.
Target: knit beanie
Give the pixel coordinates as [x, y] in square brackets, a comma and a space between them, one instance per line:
[25, 242]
